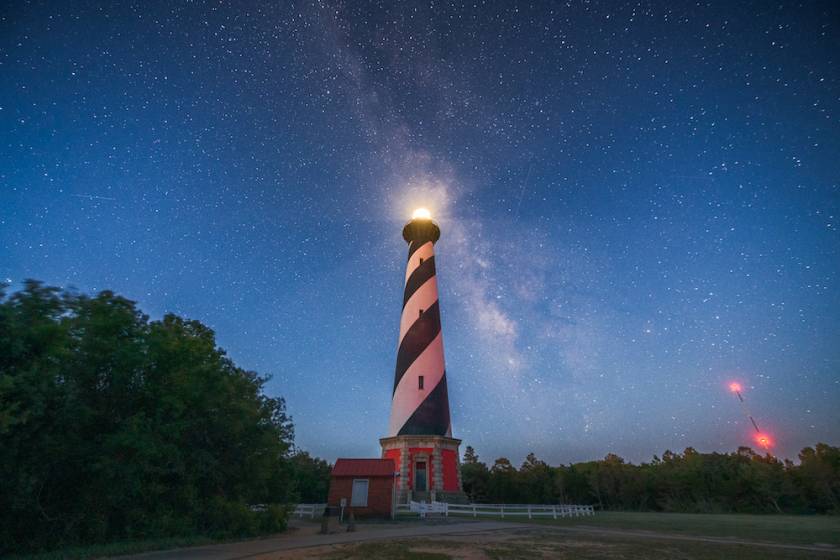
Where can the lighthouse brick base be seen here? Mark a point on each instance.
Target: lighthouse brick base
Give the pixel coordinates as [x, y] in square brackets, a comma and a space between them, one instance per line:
[438, 456]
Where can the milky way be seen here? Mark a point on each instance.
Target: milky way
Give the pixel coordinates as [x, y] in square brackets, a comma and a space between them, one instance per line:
[638, 204]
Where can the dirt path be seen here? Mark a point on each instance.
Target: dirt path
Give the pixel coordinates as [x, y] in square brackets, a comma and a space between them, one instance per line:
[307, 537]
[304, 536]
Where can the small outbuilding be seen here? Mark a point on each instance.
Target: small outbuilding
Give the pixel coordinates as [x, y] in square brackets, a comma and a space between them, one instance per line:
[366, 485]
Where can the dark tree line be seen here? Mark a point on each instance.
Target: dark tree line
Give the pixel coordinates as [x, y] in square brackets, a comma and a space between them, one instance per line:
[113, 426]
[742, 482]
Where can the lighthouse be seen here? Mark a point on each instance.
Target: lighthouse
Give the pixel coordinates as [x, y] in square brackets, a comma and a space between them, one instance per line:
[419, 439]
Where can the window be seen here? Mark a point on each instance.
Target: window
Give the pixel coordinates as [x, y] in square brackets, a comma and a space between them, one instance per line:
[421, 313]
[420, 382]
[360, 492]
[421, 260]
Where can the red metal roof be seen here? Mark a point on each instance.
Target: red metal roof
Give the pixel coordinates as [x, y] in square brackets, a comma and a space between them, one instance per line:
[363, 467]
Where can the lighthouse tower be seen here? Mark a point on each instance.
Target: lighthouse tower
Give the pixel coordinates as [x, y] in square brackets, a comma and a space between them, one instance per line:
[419, 437]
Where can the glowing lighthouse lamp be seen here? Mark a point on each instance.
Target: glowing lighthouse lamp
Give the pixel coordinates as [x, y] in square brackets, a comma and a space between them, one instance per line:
[421, 214]
[419, 436]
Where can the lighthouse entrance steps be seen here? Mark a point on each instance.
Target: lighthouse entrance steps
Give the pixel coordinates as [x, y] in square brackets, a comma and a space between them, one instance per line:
[421, 496]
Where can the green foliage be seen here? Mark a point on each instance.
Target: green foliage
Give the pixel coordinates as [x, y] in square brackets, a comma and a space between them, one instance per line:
[691, 482]
[116, 548]
[114, 427]
[819, 477]
[312, 478]
[474, 476]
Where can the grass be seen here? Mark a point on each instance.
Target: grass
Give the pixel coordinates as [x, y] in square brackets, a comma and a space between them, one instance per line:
[533, 543]
[787, 529]
[783, 529]
[385, 551]
[116, 548]
[537, 544]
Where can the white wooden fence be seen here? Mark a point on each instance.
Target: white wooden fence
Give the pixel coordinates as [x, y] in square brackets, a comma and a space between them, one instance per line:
[310, 510]
[423, 508]
[498, 510]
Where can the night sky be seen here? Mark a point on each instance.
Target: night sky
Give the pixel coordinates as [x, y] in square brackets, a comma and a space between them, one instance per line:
[638, 204]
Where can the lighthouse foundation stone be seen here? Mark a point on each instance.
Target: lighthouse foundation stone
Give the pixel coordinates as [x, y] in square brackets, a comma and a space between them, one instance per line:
[428, 467]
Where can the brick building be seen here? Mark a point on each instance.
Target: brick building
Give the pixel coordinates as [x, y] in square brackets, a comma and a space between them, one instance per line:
[367, 485]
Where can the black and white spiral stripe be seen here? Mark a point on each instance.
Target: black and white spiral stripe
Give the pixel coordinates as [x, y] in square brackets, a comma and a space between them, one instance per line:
[416, 410]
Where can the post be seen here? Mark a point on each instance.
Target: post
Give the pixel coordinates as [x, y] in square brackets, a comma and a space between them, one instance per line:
[351, 521]
[554, 511]
[325, 522]
[529, 511]
[503, 511]
[474, 513]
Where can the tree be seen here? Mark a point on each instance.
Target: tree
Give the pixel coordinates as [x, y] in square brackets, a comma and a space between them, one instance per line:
[470, 457]
[819, 478]
[113, 426]
[312, 478]
[537, 479]
[503, 486]
[691, 481]
[474, 476]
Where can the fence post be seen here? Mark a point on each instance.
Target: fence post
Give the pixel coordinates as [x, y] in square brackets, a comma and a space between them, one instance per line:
[554, 511]
[474, 514]
[503, 512]
[529, 511]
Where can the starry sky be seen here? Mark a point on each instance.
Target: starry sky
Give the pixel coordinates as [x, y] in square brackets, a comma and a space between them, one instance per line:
[638, 204]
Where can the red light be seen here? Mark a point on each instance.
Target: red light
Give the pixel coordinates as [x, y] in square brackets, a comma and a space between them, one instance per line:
[764, 440]
[735, 387]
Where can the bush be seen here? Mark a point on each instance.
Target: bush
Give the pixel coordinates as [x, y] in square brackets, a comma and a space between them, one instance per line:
[274, 519]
